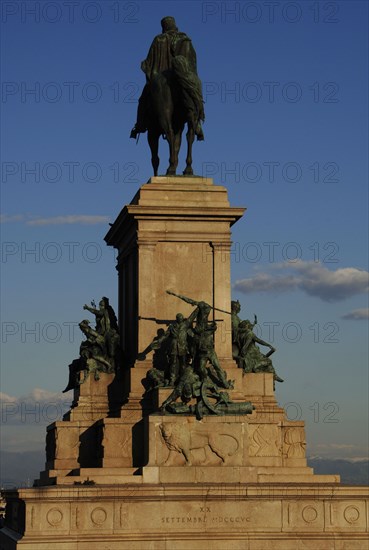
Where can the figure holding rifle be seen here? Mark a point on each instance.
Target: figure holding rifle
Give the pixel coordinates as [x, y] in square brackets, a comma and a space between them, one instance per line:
[203, 331]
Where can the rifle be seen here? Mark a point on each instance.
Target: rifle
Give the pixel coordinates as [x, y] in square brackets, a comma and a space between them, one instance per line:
[194, 302]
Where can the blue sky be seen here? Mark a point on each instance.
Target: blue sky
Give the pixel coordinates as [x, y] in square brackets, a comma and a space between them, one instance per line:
[286, 132]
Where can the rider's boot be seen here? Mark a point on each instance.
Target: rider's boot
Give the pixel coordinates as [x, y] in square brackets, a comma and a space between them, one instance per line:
[134, 133]
[137, 129]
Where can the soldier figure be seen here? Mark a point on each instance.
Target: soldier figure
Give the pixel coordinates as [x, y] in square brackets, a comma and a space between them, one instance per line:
[178, 349]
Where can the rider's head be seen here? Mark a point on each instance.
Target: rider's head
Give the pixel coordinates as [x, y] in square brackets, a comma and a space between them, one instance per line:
[168, 24]
[179, 317]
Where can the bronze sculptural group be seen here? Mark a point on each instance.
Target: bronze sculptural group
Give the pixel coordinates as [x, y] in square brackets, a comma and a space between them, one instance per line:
[190, 346]
[184, 358]
[190, 364]
[244, 348]
[100, 352]
[172, 96]
[192, 367]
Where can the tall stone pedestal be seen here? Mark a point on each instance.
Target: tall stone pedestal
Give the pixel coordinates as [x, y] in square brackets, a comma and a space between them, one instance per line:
[175, 235]
[120, 474]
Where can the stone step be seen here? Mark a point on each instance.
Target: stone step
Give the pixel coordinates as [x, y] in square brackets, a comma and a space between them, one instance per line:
[103, 475]
[232, 474]
[104, 471]
[284, 470]
[194, 474]
[299, 478]
[99, 480]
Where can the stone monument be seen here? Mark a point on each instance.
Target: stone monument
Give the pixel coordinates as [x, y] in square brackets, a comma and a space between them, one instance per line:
[175, 439]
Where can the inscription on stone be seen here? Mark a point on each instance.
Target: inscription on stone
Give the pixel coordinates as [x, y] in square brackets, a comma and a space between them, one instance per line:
[204, 509]
[204, 519]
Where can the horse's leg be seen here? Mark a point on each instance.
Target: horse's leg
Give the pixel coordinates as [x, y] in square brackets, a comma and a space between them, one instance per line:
[172, 154]
[153, 140]
[177, 146]
[165, 123]
[174, 141]
[190, 139]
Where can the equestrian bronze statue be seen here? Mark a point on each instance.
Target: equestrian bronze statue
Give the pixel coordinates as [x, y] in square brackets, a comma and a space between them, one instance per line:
[172, 96]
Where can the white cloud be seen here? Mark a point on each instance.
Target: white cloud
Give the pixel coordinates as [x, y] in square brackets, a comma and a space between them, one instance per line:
[82, 219]
[4, 218]
[312, 278]
[331, 286]
[37, 407]
[357, 314]
[266, 282]
[68, 220]
[5, 398]
[38, 394]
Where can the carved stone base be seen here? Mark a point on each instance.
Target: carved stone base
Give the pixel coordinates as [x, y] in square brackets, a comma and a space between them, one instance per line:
[253, 447]
[235, 516]
[231, 448]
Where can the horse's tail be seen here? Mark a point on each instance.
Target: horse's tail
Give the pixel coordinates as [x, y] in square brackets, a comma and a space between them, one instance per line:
[191, 85]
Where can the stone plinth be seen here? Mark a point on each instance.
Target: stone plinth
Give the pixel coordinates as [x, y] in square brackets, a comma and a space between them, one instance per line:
[95, 399]
[262, 447]
[174, 235]
[121, 476]
[76, 441]
[229, 516]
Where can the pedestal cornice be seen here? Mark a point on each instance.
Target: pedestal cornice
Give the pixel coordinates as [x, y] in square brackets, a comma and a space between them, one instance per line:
[173, 199]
